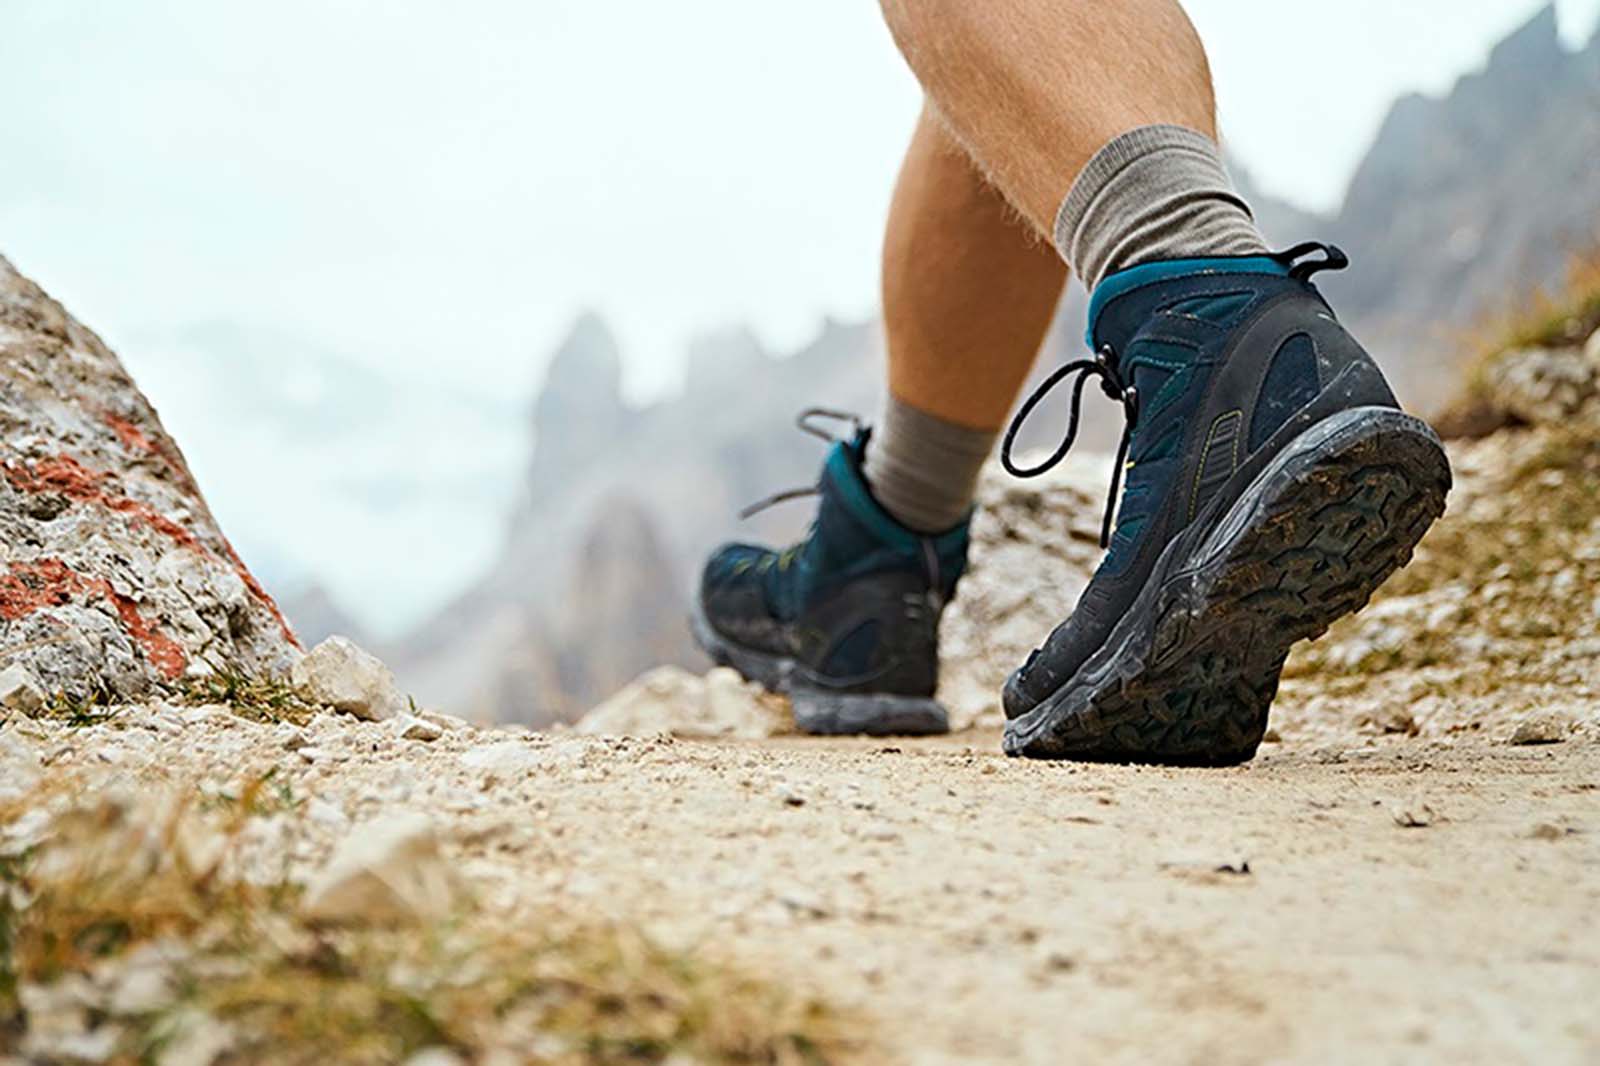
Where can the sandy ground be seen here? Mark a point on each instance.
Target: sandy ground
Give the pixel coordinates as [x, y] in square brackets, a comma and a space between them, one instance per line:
[1390, 899]
[1408, 901]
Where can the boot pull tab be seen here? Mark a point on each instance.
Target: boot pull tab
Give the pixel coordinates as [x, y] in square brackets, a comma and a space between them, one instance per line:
[1333, 258]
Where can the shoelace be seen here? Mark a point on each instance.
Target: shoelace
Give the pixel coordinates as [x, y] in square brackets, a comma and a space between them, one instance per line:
[1103, 366]
[806, 422]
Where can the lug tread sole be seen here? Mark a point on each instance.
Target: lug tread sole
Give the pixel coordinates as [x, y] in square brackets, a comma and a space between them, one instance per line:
[1195, 686]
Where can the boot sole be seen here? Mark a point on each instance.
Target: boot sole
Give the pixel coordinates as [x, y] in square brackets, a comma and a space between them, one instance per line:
[1188, 676]
[818, 710]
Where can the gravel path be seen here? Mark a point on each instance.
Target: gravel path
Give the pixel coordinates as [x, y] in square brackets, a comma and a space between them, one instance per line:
[1395, 898]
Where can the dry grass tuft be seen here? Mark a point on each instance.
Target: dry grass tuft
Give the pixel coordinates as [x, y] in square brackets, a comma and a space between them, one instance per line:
[259, 699]
[112, 882]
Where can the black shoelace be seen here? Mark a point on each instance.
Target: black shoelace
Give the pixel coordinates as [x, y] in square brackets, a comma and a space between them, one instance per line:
[1104, 367]
[807, 423]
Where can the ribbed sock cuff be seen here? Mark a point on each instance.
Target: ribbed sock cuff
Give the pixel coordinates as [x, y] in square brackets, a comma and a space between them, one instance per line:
[1153, 193]
[922, 469]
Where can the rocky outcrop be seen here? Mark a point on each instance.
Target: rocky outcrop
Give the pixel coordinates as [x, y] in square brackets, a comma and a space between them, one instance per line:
[1554, 386]
[115, 577]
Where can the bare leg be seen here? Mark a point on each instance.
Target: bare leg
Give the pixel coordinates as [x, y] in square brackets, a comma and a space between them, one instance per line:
[1033, 88]
[968, 293]
[968, 289]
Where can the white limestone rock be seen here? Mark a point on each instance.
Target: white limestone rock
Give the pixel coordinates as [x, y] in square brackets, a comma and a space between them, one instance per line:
[1543, 727]
[20, 690]
[1544, 386]
[341, 675]
[20, 769]
[387, 872]
[413, 727]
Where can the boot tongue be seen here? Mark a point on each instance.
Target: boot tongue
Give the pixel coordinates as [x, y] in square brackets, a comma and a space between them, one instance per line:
[1113, 320]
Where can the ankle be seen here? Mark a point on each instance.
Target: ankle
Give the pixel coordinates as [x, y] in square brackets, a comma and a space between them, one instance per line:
[1154, 193]
[922, 469]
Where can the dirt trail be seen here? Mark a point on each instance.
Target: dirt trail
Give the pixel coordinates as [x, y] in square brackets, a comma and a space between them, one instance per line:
[986, 910]
[1394, 898]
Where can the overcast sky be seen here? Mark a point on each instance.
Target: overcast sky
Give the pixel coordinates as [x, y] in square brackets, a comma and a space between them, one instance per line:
[437, 188]
[433, 191]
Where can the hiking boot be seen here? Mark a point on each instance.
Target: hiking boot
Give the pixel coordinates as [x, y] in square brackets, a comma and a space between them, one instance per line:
[1272, 485]
[847, 621]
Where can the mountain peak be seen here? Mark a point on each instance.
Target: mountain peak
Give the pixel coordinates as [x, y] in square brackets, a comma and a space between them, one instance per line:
[1536, 41]
[588, 363]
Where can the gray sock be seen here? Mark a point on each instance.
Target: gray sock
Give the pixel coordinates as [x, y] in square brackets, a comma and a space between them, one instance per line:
[922, 469]
[1157, 192]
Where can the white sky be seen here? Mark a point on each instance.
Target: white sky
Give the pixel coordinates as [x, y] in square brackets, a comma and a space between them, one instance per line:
[435, 190]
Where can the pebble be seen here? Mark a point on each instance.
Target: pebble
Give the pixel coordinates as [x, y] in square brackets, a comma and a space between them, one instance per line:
[435, 1056]
[20, 690]
[805, 905]
[338, 674]
[388, 871]
[411, 727]
[509, 758]
[1413, 815]
[290, 737]
[1543, 727]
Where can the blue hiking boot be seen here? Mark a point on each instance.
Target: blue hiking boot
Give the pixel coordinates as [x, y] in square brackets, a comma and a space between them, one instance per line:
[1272, 485]
[847, 621]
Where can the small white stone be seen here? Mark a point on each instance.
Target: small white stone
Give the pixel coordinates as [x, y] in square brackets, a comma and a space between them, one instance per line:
[446, 721]
[436, 1056]
[338, 674]
[321, 812]
[1591, 349]
[19, 764]
[96, 1045]
[20, 690]
[385, 872]
[198, 1040]
[411, 727]
[1543, 727]
[290, 737]
[142, 990]
[57, 1011]
[508, 758]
